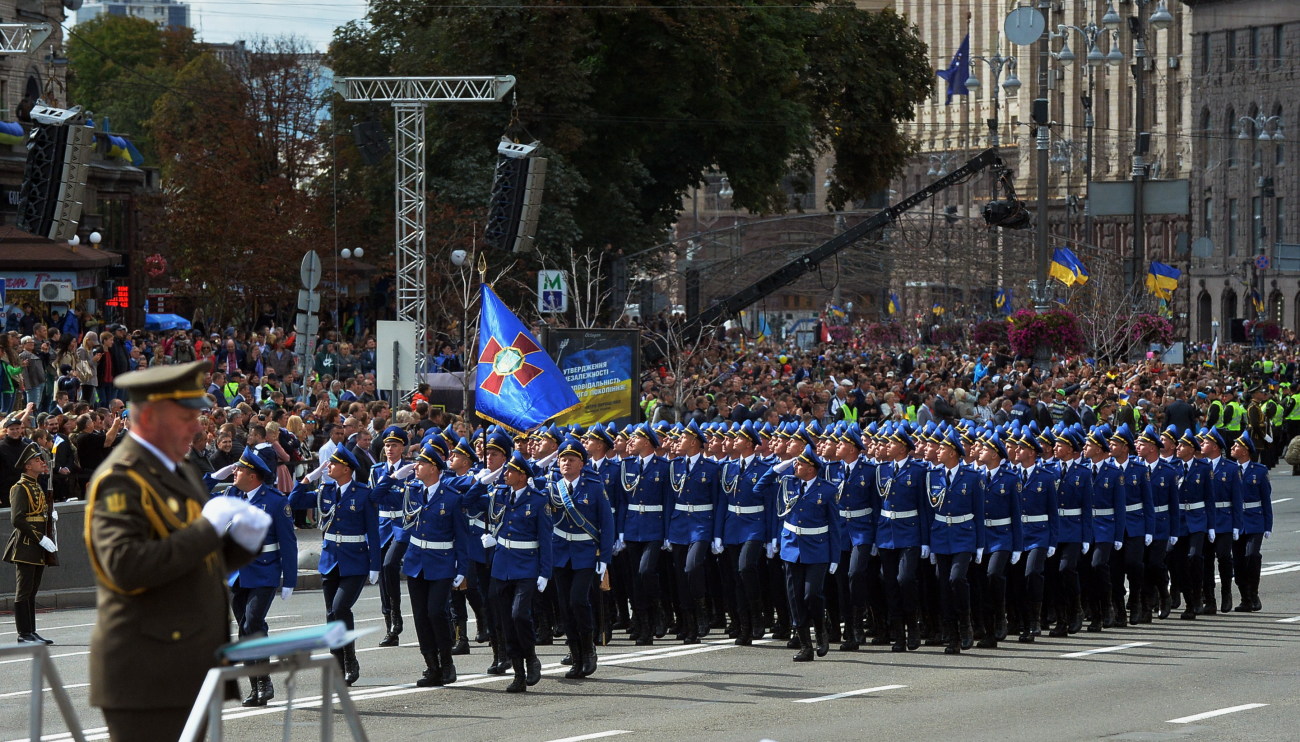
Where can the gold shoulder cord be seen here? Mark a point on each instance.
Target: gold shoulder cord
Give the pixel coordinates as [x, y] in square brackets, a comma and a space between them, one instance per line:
[153, 510]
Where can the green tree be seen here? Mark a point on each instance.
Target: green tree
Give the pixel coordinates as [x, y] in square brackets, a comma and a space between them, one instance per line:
[635, 102]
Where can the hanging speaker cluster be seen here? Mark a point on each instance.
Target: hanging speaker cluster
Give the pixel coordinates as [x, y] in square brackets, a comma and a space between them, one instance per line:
[516, 200]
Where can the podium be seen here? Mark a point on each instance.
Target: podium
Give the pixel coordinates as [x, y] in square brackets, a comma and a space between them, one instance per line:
[42, 668]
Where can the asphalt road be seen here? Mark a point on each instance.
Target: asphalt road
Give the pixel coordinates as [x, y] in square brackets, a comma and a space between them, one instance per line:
[1223, 678]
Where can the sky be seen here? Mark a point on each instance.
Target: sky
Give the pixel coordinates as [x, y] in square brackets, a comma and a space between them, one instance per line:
[223, 21]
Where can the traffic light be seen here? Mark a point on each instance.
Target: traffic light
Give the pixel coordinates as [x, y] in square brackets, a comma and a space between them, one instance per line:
[54, 181]
[516, 198]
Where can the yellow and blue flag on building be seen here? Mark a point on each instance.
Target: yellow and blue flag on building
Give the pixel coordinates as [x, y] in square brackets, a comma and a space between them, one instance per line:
[1257, 301]
[895, 305]
[837, 312]
[1162, 280]
[1002, 301]
[12, 133]
[1067, 268]
[519, 386]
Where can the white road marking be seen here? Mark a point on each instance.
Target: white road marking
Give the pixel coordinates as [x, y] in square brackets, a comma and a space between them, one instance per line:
[1293, 619]
[1103, 650]
[1219, 712]
[597, 735]
[43, 690]
[848, 694]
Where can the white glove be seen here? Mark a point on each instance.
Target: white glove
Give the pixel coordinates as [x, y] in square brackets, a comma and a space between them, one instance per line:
[619, 544]
[1146, 540]
[783, 465]
[770, 548]
[249, 527]
[457, 580]
[1051, 552]
[404, 471]
[487, 540]
[1119, 545]
[315, 474]
[224, 472]
[1266, 533]
[1211, 535]
[667, 546]
[716, 548]
[483, 476]
[831, 569]
[373, 577]
[541, 584]
[1236, 534]
[48, 544]
[979, 555]
[600, 569]
[874, 551]
[1173, 541]
[54, 513]
[548, 459]
[934, 559]
[1086, 547]
[925, 551]
[285, 592]
[1015, 557]
[220, 510]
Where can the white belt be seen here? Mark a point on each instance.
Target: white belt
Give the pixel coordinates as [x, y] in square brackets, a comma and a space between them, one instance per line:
[391, 514]
[478, 523]
[432, 545]
[693, 508]
[517, 544]
[1192, 505]
[892, 514]
[1033, 519]
[1224, 504]
[1068, 512]
[1103, 511]
[646, 508]
[270, 547]
[951, 519]
[1162, 508]
[572, 536]
[1251, 505]
[745, 509]
[338, 539]
[847, 514]
[995, 522]
[796, 530]
[1133, 508]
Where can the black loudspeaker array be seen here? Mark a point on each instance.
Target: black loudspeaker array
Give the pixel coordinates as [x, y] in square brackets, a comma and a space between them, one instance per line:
[516, 200]
[54, 181]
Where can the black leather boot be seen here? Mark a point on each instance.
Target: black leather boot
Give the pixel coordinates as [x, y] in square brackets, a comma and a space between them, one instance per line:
[966, 632]
[954, 642]
[702, 622]
[520, 683]
[254, 697]
[352, 670]
[589, 655]
[823, 637]
[267, 689]
[534, 670]
[390, 636]
[899, 635]
[913, 634]
[447, 667]
[461, 645]
[1162, 596]
[574, 659]
[645, 632]
[500, 663]
[853, 632]
[805, 645]
[432, 673]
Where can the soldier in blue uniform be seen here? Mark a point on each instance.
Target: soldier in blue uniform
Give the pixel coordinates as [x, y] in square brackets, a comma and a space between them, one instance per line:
[1002, 536]
[583, 543]
[520, 528]
[748, 525]
[1164, 501]
[462, 461]
[1256, 522]
[809, 542]
[350, 554]
[694, 529]
[1107, 524]
[902, 532]
[1038, 528]
[605, 464]
[956, 537]
[858, 503]
[1224, 518]
[274, 570]
[1074, 529]
[1195, 503]
[467, 476]
[387, 475]
[435, 562]
[642, 525]
[1137, 526]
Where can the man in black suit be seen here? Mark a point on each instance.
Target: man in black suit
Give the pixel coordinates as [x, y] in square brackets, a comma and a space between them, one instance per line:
[1180, 413]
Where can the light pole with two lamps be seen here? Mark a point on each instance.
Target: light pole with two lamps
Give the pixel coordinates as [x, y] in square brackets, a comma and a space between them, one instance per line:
[346, 254]
[997, 65]
[1262, 260]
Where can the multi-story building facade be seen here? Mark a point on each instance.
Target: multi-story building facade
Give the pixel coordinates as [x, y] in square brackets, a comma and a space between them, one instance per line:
[165, 13]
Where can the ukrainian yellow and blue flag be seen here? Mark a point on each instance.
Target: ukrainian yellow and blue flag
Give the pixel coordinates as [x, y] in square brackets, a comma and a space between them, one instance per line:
[11, 133]
[519, 386]
[837, 312]
[1162, 280]
[1002, 301]
[895, 305]
[1256, 301]
[1067, 268]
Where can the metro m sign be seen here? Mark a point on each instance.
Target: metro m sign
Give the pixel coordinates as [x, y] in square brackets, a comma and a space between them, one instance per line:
[552, 292]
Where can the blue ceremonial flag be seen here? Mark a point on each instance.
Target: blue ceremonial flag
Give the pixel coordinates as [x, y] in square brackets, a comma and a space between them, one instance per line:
[1002, 300]
[519, 386]
[958, 71]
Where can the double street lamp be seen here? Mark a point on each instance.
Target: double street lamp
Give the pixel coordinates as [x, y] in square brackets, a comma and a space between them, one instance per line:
[1260, 124]
[997, 64]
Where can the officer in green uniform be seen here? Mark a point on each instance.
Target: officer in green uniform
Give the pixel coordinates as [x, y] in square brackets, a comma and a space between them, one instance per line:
[30, 545]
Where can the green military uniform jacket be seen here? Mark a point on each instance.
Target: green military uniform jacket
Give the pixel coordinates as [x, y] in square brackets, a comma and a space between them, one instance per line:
[161, 572]
[29, 509]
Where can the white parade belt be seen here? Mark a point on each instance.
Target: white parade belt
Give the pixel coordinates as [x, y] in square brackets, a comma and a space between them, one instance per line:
[572, 536]
[745, 509]
[796, 530]
[431, 545]
[509, 544]
[995, 522]
[893, 514]
[341, 539]
[953, 519]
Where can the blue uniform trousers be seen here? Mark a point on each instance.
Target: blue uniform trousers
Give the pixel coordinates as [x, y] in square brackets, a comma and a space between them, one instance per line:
[429, 600]
[512, 602]
[250, 606]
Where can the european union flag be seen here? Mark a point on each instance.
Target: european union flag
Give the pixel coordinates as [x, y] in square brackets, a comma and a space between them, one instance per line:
[895, 306]
[1002, 300]
[1162, 280]
[519, 386]
[958, 71]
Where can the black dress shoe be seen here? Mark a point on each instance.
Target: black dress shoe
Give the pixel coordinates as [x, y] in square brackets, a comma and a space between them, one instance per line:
[390, 640]
[254, 697]
[28, 639]
[534, 670]
[43, 640]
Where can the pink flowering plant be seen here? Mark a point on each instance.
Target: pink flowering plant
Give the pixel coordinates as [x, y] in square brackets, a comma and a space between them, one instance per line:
[989, 332]
[1057, 330]
[1150, 328]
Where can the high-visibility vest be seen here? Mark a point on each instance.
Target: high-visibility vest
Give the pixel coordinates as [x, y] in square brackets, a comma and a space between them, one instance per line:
[850, 413]
[1268, 366]
[1294, 414]
[1276, 408]
[911, 413]
[1216, 412]
[1236, 417]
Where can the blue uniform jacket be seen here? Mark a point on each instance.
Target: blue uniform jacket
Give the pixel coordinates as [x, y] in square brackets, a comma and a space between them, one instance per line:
[388, 492]
[607, 472]
[473, 510]
[277, 564]
[697, 501]
[1225, 485]
[1164, 498]
[1195, 497]
[958, 509]
[1107, 502]
[523, 529]
[1139, 511]
[751, 512]
[643, 512]
[1038, 507]
[904, 518]
[583, 530]
[859, 502]
[1074, 504]
[350, 523]
[1002, 529]
[809, 533]
[436, 531]
[1256, 499]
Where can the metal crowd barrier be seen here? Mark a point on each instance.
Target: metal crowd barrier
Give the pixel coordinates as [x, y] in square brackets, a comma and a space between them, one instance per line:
[42, 668]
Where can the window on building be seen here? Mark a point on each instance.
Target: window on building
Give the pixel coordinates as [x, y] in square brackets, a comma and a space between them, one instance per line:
[1277, 46]
[1230, 144]
[1254, 47]
[1279, 221]
[1231, 241]
[1229, 50]
[1207, 216]
[1205, 54]
[1202, 151]
[1257, 224]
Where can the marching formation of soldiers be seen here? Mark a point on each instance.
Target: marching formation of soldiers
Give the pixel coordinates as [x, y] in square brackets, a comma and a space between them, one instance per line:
[901, 535]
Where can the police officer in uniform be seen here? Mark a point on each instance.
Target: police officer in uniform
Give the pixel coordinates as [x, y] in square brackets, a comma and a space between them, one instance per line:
[902, 534]
[1224, 518]
[1038, 529]
[694, 529]
[1107, 524]
[389, 474]
[858, 502]
[350, 556]
[1074, 529]
[1164, 501]
[1256, 522]
[1195, 503]
[161, 551]
[1002, 537]
[747, 527]
[956, 537]
[642, 524]
[32, 515]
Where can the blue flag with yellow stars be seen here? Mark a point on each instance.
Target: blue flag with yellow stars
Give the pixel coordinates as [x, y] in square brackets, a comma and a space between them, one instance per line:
[519, 386]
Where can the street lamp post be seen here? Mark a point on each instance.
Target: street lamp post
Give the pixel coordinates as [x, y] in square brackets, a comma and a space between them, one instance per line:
[346, 254]
[997, 65]
[460, 259]
[1261, 124]
[1091, 34]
